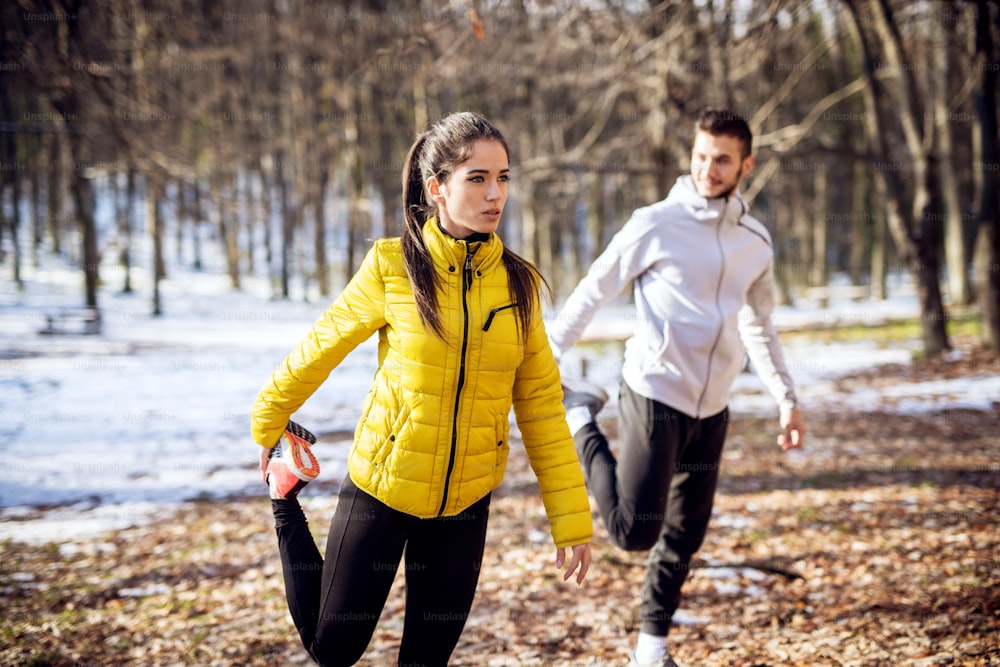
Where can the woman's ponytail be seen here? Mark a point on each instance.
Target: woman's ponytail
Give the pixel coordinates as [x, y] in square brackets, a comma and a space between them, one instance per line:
[416, 257]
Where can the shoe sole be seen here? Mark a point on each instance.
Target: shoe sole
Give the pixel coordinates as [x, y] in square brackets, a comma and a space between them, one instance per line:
[304, 463]
[573, 385]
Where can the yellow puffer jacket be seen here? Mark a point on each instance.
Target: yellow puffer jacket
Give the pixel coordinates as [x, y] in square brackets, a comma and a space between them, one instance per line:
[433, 436]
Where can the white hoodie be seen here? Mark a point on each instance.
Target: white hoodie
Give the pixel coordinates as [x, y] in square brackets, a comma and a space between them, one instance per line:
[703, 280]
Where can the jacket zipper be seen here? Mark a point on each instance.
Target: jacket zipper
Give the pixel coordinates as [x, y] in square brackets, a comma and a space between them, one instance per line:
[466, 286]
[718, 308]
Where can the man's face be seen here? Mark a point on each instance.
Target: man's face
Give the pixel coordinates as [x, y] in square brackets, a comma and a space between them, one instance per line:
[717, 164]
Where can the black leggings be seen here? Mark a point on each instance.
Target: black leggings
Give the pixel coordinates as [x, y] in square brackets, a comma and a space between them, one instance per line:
[336, 603]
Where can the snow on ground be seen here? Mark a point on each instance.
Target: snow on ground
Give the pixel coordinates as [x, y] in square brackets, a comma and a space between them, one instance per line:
[108, 429]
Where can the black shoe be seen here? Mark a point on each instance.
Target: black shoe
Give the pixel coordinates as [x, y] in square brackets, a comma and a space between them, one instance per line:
[578, 392]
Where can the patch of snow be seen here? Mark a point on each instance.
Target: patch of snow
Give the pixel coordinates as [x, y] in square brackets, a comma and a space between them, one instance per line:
[112, 430]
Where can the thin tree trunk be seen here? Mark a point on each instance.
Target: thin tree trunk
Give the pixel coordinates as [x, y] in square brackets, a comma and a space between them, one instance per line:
[249, 218]
[155, 223]
[287, 231]
[880, 246]
[861, 232]
[3, 221]
[956, 252]
[820, 229]
[55, 207]
[126, 225]
[37, 218]
[227, 234]
[82, 190]
[15, 229]
[986, 66]
[784, 273]
[196, 220]
[319, 232]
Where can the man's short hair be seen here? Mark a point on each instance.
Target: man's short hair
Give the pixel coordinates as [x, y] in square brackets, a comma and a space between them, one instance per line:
[722, 122]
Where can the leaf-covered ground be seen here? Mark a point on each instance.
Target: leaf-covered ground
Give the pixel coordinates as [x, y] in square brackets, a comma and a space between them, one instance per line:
[879, 545]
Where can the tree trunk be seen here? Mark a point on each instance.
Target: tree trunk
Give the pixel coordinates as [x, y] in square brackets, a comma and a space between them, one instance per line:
[956, 252]
[914, 238]
[3, 228]
[319, 233]
[819, 269]
[125, 226]
[287, 230]
[529, 221]
[159, 261]
[155, 223]
[986, 65]
[227, 231]
[82, 191]
[15, 228]
[37, 218]
[249, 217]
[55, 194]
[880, 246]
[196, 219]
[861, 232]
[783, 273]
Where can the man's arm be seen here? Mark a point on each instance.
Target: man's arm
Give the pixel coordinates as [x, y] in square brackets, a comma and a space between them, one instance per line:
[620, 263]
[764, 349]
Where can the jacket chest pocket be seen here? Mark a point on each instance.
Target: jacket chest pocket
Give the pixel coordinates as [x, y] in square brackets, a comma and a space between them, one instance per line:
[502, 319]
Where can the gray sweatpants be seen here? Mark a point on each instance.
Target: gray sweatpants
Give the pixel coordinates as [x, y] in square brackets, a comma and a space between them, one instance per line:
[658, 494]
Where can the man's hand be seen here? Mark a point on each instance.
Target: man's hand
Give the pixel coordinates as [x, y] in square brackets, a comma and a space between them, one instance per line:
[793, 426]
[581, 559]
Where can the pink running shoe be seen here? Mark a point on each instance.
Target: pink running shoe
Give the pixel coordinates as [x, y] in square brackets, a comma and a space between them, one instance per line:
[292, 463]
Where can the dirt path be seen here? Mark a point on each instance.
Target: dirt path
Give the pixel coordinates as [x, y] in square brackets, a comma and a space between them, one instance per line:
[877, 546]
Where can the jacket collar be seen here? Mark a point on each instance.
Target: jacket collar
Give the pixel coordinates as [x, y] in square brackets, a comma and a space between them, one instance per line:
[452, 252]
[730, 208]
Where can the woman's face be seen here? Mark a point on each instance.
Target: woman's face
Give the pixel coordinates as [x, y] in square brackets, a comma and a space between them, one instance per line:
[471, 199]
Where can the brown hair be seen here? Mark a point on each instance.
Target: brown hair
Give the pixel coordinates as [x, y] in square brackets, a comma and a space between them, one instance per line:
[722, 122]
[437, 152]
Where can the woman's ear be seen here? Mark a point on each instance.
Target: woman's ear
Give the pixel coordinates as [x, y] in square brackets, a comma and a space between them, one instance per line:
[434, 189]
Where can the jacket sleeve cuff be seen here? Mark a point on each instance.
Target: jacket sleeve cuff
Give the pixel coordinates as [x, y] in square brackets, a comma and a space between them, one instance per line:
[788, 404]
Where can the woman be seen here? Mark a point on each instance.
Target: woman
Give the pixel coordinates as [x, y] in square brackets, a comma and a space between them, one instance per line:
[461, 340]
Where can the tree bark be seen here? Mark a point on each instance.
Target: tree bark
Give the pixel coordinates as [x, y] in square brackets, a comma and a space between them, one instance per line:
[956, 252]
[915, 235]
[55, 194]
[155, 223]
[82, 190]
[819, 269]
[125, 227]
[319, 232]
[987, 64]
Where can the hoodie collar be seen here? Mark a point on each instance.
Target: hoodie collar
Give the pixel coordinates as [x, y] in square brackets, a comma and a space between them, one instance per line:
[730, 208]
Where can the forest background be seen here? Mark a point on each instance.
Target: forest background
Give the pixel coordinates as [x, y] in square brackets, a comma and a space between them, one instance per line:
[212, 173]
[275, 131]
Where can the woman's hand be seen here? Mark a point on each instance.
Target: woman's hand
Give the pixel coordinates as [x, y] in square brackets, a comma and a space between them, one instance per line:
[581, 559]
[265, 456]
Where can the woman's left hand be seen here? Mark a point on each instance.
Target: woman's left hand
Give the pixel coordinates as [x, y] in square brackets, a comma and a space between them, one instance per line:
[581, 560]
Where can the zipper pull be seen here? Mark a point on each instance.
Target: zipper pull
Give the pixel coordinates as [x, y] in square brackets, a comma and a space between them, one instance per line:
[468, 271]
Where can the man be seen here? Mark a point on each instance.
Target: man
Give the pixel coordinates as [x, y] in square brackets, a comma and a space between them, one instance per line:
[702, 274]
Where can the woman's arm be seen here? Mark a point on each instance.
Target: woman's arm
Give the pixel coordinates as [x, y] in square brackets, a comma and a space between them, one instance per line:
[351, 319]
[541, 418]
